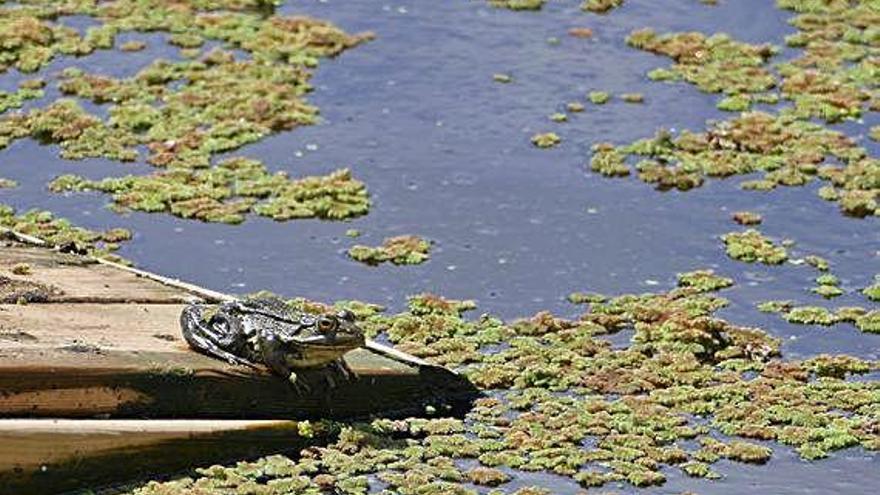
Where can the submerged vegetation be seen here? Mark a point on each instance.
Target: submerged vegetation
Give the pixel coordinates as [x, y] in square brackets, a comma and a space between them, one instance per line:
[689, 390]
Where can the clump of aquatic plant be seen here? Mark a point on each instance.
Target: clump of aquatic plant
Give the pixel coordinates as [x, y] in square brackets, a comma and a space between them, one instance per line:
[827, 286]
[704, 281]
[633, 97]
[546, 140]
[872, 291]
[226, 192]
[518, 4]
[714, 64]
[575, 107]
[599, 97]
[580, 32]
[502, 78]
[183, 112]
[689, 390]
[752, 246]
[399, 250]
[7, 183]
[61, 233]
[747, 218]
[789, 152]
[600, 6]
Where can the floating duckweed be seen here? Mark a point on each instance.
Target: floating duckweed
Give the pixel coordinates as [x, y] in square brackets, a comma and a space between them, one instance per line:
[600, 6]
[827, 279]
[559, 117]
[228, 191]
[747, 218]
[216, 104]
[789, 152]
[608, 161]
[487, 476]
[580, 32]
[518, 4]
[586, 298]
[703, 281]
[61, 233]
[751, 246]
[713, 63]
[775, 306]
[827, 291]
[400, 250]
[599, 97]
[735, 103]
[872, 292]
[810, 315]
[546, 140]
[575, 107]
[352, 233]
[817, 262]
[7, 183]
[502, 78]
[563, 400]
[632, 97]
[869, 322]
[132, 46]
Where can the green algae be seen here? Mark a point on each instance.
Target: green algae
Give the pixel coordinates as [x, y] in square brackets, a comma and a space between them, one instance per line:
[546, 140]
[61, 233]
[690, 389]
[230, 190]
[399, 250]
[751, 246]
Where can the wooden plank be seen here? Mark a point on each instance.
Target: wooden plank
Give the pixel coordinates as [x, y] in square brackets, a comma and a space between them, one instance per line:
[57, 455]
[128, 360]
[81, 279]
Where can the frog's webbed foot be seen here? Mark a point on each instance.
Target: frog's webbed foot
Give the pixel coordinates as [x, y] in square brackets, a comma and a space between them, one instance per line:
[298, 383]
[338, 373]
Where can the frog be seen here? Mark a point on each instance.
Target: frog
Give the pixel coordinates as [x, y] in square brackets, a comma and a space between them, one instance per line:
[265, 331]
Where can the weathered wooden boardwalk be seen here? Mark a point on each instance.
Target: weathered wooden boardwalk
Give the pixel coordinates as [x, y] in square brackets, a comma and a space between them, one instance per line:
[99, 345]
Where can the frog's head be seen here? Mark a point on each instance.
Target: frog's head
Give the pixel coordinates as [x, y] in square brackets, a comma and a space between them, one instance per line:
[323, 339]
[337, 330]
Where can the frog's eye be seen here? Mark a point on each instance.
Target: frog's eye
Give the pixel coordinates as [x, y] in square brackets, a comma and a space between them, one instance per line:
[346, 315]
[326, 324]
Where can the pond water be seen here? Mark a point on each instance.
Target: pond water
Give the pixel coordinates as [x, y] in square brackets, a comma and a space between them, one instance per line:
[445, 153]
